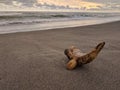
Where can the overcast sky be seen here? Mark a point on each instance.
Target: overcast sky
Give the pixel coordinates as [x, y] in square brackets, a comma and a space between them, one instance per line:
[59, 4]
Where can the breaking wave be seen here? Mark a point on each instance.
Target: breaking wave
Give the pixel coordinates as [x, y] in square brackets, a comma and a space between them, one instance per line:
[16, 18]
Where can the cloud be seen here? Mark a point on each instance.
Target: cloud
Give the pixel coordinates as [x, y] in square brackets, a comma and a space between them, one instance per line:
[71, 3]
[28, 3]
[104, 1]
[6, 7]
[16, 3]
[59, 4]
[111, 6]
[52, 6]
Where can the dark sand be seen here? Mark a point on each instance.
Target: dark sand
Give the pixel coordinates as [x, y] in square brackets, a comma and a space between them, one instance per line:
[35, 60]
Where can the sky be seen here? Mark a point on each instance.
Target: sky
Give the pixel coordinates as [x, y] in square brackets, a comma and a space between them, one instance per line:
[38, 5]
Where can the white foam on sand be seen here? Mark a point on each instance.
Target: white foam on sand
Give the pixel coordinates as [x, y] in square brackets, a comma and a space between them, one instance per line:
[54, 25]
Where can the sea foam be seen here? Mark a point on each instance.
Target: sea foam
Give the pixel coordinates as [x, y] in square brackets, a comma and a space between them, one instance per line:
[30, 21]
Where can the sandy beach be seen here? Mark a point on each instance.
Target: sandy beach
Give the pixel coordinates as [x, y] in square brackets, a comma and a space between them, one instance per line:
[36, 61]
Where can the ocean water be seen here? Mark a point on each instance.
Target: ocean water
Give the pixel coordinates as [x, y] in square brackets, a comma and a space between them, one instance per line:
[11, 22]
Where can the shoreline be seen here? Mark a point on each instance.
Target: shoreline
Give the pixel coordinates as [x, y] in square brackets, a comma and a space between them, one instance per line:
[60, 28]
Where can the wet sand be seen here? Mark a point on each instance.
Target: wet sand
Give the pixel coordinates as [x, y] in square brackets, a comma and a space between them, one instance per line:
[35, 60]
